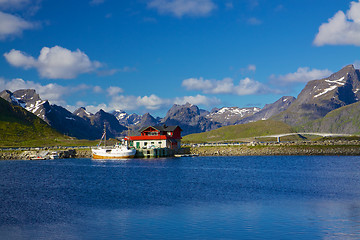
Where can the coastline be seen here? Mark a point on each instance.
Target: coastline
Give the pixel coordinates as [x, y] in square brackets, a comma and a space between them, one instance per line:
[329, 147]
[251, 149]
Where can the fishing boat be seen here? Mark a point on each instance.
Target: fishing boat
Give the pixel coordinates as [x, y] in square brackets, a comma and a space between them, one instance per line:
[118, 151]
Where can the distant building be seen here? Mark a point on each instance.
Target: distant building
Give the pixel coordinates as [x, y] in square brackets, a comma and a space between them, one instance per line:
[157, 137]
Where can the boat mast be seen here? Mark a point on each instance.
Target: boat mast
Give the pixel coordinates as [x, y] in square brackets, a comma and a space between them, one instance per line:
[104, 134]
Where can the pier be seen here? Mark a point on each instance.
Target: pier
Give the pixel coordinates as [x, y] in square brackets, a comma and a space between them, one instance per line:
[154, 153]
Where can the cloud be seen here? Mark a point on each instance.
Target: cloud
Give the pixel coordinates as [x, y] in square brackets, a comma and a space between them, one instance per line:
[302, 75]
[13, 4]
[254, 21]
[55, 62]
[229, 5]
[52, 91]
[131, 102]
[341, 29]
[114, 90]
[251, 68]
[97, 89]
[11, 25]
[197, 100]
[180, 8]
[146, 103]
[110, 72]
[245, 86]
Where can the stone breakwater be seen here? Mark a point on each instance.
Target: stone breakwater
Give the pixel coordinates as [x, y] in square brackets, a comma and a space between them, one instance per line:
[298, 148]
[25, 155]
[251, 149]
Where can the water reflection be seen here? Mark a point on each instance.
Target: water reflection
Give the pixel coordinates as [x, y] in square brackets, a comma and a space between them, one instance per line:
[204, 198]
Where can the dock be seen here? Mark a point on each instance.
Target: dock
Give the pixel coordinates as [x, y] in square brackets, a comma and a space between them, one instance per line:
[154, 153]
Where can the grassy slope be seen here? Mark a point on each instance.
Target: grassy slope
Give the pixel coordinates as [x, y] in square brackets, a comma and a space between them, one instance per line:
[236, 132]
[19, 127]
[342, 120]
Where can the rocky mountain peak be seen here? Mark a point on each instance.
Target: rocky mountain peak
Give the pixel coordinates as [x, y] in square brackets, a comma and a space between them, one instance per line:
[230, 115]
[324, 95]
[270, 110]
[182, 112]
[81, 112]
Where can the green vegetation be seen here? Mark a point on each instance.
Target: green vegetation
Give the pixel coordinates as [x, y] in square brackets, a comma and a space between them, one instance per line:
[20, 128]
[240, 132]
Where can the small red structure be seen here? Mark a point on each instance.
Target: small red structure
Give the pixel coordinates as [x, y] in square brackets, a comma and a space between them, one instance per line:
[157, 137]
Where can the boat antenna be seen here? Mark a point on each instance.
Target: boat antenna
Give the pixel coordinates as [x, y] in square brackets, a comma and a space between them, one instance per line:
[104, 134]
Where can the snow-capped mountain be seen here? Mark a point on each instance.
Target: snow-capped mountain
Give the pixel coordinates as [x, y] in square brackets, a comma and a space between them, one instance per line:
[230, 115]
[30, 100]
[56, 116]
[269, 110]
[127, 119]
[81, 112]
[319, 97]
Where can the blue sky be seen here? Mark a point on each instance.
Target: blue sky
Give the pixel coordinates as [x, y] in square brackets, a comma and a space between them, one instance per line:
[145, 55]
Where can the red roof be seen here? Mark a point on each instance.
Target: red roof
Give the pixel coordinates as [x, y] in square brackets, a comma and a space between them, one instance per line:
[139, 138]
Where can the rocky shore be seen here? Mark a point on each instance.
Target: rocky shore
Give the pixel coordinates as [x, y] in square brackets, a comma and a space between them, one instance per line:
[27, 154]
[295, 148]
[250, 149]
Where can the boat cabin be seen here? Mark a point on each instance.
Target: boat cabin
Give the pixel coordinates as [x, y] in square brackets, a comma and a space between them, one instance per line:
[156, 137]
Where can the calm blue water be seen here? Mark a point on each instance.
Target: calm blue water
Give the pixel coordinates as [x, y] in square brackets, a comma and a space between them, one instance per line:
[277, 197]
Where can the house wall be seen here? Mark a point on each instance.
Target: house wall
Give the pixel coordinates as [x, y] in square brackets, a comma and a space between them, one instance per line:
[156, 143]
[149, 143]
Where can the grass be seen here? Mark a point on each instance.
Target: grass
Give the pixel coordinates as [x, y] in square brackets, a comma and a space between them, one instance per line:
[239, 132]
[20, 128]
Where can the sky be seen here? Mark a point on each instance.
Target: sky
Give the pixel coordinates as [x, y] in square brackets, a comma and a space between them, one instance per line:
[146, 55]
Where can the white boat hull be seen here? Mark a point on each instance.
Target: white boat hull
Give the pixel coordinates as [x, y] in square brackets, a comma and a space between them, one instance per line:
[114, 153]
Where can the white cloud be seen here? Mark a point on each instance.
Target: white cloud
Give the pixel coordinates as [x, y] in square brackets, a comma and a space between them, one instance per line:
[341, 29]
[303, 74]
[251, 68]
[245, 86]
[197, 100]
[97, 89]
[55, 62]
[151, 102]
[11, 25]
[13, 4]
[114, 90]
[52, 91]
[180, 8]
[146, 103]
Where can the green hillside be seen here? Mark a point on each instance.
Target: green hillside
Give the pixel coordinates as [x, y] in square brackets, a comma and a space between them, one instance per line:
[241, 131]
[342, 120]
[19, 127]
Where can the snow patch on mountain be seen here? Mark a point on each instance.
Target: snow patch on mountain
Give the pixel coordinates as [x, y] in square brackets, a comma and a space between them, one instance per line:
[338, 83]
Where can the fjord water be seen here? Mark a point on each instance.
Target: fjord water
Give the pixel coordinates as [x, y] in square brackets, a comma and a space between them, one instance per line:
[264, 197]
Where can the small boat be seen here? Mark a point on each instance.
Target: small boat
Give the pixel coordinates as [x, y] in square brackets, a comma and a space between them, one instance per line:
[37, 157]
[118, 151]
[54, 155]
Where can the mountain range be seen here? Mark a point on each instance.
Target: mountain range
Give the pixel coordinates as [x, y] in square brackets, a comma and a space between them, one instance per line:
[327, 105]
[20, 127]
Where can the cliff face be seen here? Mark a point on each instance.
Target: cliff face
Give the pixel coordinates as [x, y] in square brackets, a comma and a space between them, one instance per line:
[342, 120]
[320, 97]
[269, 110]
[189, 118]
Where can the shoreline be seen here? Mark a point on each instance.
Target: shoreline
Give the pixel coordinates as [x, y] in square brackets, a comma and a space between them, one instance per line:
[340, 148]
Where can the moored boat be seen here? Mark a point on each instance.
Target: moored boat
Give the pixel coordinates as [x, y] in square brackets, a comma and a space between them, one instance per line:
[118, 151]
